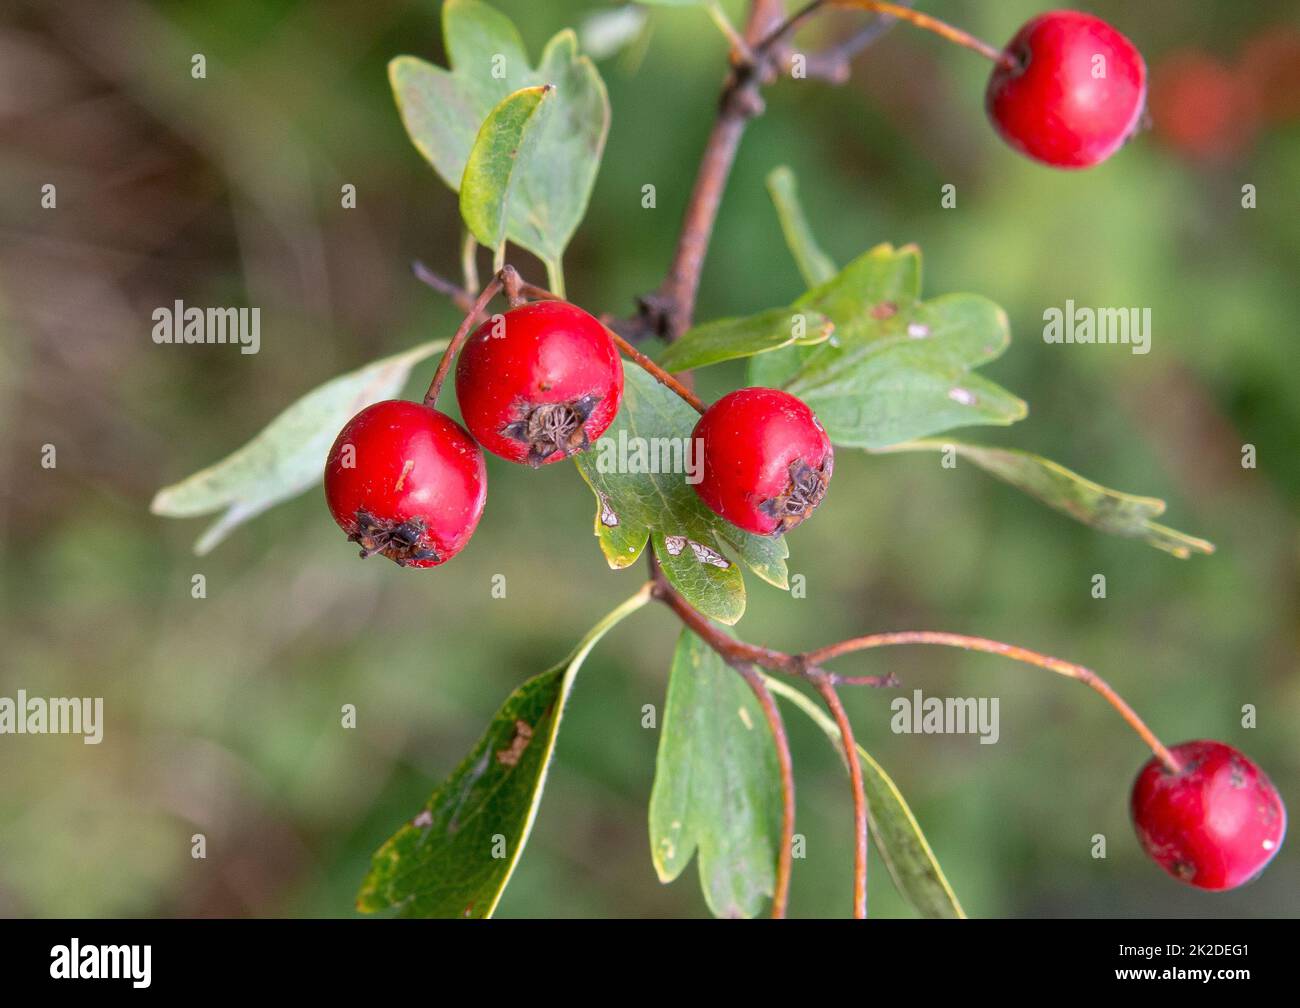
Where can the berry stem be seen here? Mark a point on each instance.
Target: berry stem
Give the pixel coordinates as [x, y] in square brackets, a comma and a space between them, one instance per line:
[449, 355]
[509, 280]
[638, 358]
[658, 373]
[902, 13]
[1068, 669]
[825, 686]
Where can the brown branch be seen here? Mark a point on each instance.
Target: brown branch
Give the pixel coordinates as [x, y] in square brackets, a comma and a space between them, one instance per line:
[1068, 669]
[827, 689]
[671, 308]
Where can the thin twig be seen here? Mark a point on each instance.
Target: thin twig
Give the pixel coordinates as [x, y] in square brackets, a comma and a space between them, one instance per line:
[492, 289]
[457, 295]
[834, 63]
[638, 358]
[1068, 669]
[517, 290]
[931, 24]
[827, 689]
[739, 45]
[658, 373]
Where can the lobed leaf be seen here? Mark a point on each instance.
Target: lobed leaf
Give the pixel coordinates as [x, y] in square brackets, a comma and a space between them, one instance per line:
[443, 111]
[446, 861]
[897, 368]
[288, 456]
[717, 784]
[653, 431]
[897, 835]
[1083, 500]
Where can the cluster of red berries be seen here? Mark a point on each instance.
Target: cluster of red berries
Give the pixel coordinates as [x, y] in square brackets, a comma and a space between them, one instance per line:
[535, 386]
[545, 380]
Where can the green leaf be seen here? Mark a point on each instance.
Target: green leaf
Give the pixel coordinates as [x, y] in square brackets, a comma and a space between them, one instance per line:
[896, 368]
[443, 111]
[635, 505]
[499, 156]
[717, 784]
[1091, 503]
[894, 829]
[446, 861]
[727, 339]
[288, 455]
[814, 264]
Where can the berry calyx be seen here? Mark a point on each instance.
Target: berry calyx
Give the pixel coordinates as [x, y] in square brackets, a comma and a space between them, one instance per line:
[767, 461]
[1216, 823]
[540, 383]
[1072, 91]
[406, 482]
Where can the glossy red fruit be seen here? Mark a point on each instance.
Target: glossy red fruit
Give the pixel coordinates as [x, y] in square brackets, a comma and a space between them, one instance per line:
[767, 461]
[1216, 823]
[539, 383]
[407, 482]
[1075, 94]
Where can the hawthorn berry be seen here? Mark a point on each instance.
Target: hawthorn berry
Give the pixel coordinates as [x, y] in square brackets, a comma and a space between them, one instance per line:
[1074, 94]
[539, 383]
[1216, 823]
[407, 482]
[767, 461]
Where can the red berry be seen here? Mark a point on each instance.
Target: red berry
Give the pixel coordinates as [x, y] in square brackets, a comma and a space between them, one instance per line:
[539, 383]
[406, 481]
[767, 461]
[1075, 94]
[1216, 823]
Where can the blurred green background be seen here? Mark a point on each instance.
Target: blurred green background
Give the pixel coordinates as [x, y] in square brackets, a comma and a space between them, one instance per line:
[223, 713]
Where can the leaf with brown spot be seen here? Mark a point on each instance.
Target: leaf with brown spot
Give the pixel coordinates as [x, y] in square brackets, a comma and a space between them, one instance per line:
[440, 863]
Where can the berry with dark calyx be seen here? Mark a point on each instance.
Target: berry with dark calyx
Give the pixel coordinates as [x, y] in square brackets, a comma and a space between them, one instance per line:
[406, 482]
[1075, 93]
[540, 383]
[767, 461]
[1216, 823]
